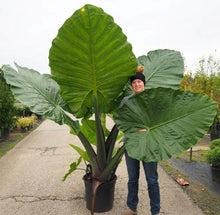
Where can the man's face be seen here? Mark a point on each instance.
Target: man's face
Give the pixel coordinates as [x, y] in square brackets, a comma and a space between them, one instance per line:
[137, 86]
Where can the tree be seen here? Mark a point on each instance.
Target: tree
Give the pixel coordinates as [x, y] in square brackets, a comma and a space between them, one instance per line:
[206, 81]
[7, 108]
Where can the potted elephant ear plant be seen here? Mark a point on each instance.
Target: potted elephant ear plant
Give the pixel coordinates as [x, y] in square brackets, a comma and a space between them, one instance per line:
[91, 63]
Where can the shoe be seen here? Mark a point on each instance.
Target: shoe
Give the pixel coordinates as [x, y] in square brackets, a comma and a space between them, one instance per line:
[130, 212]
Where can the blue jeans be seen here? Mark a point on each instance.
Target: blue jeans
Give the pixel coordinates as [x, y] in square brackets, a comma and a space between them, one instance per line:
[150, 169]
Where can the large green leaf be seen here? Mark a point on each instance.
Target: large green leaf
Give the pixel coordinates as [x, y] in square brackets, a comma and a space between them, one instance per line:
[90, 57]
[174, 120]
[163, 68]
[39, 92]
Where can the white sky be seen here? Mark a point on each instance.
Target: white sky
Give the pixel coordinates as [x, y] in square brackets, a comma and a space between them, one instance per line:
[27, 27]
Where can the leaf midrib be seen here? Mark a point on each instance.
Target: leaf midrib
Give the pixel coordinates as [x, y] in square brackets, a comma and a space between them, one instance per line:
[172, 120]
[92, 57]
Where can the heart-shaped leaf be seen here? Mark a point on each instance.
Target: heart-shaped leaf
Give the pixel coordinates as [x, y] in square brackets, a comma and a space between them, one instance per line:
[163, 68]
[90, 57]
[172, 120]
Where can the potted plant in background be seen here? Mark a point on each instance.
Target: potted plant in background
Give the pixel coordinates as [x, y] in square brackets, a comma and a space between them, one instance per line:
[25, 123]
[91, 63]
[213, 157]
[215, 127]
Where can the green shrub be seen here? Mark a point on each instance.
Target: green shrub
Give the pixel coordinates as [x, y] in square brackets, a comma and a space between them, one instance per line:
[27, 111]
[213, 156]
[215, 143]
[23, 111]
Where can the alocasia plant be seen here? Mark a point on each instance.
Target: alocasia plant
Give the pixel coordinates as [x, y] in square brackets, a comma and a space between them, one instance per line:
[91, 63]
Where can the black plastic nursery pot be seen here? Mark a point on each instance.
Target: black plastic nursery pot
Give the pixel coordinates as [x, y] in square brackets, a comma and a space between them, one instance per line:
[104, 196]
[215, 136]
[5, 132]
[215, 173]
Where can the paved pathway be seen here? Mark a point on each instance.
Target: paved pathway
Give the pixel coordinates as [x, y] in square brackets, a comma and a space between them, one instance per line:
[31, 180]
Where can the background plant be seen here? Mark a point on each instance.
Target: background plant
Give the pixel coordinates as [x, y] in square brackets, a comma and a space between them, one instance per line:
[23, 110]
[215, 143]
[213, 157]
[24, 122]
[7, 108]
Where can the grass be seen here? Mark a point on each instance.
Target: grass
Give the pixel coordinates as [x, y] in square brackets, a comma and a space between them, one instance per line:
[206, 200]
[6, 147]
[8, 143]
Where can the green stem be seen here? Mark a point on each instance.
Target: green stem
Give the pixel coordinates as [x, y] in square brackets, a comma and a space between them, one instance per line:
[101, 150]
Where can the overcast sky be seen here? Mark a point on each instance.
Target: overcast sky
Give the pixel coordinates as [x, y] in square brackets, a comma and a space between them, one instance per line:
[27, 27]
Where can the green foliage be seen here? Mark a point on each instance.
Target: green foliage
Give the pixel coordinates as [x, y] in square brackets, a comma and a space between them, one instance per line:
[23, 111]
[171, 120]
[215, 143]
[213, 156]
[24, 122]
[206, 81]
[7, 108]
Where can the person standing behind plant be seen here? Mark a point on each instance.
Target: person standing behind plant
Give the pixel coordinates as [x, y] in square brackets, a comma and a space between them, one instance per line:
[133, 165]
